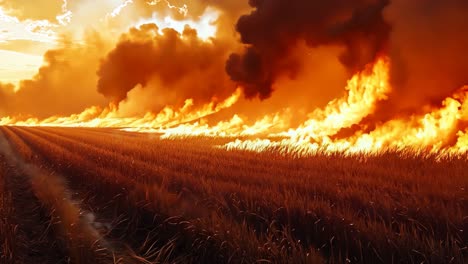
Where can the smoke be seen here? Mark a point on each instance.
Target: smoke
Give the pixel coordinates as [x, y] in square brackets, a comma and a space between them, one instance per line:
[63, 85]
[167, 66]
[274, 28]
[6, 90]
[428, 49]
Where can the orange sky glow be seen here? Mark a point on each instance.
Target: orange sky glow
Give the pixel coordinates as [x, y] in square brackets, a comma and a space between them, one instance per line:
[29, 28]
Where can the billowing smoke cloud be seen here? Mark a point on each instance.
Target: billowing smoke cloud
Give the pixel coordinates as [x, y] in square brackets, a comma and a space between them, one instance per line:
[274, 28]
[63, 85]
[428, 49]
[6, 90]
[177, 65]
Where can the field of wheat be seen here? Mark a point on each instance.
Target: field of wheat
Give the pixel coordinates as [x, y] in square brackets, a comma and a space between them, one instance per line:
[71, 195]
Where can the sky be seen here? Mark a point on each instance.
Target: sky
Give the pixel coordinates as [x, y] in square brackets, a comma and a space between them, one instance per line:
[23, 41]
[29, 28]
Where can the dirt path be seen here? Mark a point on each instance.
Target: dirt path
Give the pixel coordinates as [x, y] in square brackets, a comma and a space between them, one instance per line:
[72, 234]
[34, 241]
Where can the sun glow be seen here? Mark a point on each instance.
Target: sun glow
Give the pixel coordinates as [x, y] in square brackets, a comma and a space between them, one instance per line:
[205, 25]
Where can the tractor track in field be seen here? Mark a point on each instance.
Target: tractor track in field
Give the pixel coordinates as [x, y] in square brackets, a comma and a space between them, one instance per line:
[35, 241]
[51, 224]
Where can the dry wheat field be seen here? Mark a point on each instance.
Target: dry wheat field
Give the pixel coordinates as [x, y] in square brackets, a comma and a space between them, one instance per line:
[233, 131]
[76, 195]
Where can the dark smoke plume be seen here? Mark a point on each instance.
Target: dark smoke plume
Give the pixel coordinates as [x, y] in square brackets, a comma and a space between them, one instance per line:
[428, 48]
[275, 27]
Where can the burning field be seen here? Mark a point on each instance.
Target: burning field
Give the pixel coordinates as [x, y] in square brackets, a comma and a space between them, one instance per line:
[261, 131]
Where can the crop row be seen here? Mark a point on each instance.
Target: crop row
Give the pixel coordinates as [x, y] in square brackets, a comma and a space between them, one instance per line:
[188, 201]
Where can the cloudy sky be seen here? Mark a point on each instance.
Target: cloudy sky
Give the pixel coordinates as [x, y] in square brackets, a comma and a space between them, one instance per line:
[29, 28]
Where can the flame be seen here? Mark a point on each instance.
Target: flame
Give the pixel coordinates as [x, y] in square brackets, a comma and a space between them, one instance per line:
[431, 132]
[110, 116]
[364, 90]
[236, 127]
[440, 130]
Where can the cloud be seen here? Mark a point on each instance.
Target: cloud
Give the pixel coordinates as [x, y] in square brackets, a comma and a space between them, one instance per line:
[26, 46]
[33, 10]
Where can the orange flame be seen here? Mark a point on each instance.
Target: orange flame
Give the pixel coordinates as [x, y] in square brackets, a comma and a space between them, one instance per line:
[110, 116]
[432, 132]
[441, 130]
